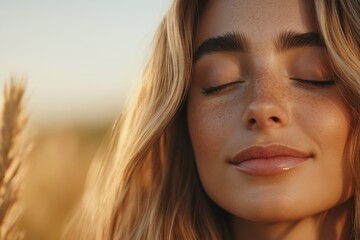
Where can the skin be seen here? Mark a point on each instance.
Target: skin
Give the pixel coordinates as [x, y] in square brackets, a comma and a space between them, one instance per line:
[311, 201]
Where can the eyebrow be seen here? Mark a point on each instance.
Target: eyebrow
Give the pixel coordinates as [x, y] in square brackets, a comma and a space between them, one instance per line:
[289, 39]
[234, 41]
[228, 42]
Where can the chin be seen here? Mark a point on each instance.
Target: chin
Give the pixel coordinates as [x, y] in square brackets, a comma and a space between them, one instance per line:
[271, 212]
[283, 210]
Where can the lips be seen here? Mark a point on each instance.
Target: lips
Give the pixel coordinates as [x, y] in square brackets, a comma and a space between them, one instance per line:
[268, 160]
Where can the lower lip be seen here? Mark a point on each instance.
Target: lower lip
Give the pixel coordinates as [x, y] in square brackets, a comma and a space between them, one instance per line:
[269, 166]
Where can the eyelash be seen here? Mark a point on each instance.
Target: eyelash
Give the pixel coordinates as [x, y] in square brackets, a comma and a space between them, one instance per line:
[317, 83]
[217, 89]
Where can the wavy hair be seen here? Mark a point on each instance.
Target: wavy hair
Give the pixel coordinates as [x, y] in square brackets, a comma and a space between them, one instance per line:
[145, 185]
[339, 25]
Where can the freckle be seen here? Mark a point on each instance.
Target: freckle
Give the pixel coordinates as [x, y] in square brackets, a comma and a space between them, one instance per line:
[218, 114]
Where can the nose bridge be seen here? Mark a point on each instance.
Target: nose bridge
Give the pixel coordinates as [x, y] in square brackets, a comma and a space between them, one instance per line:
[267, 101]
[266, 75]
[267, 87]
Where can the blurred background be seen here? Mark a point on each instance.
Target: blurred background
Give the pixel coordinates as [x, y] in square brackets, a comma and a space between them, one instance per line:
[81, 59]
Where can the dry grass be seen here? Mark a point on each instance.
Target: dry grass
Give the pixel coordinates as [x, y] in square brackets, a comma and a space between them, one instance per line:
[12, 154]
[40, 188]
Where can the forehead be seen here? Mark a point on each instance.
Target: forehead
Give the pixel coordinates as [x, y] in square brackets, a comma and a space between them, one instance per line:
[259, 20]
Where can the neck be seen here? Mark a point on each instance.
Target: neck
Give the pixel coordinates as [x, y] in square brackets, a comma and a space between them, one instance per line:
[335, 224]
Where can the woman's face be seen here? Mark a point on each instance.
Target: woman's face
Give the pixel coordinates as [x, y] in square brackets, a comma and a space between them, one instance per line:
[267, 123]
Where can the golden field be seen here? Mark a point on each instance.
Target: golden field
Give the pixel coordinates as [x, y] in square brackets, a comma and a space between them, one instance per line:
[42, 169]
[57, 168]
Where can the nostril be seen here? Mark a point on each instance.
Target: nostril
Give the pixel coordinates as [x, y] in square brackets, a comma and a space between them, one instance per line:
[275, 119]
[261, 123]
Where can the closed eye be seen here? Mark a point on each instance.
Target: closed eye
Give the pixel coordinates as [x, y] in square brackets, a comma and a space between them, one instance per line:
[218, 89]
[318, 83]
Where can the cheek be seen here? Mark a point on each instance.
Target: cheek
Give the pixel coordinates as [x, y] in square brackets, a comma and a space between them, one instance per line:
[326, 124]
[326, 121]
[211, 125]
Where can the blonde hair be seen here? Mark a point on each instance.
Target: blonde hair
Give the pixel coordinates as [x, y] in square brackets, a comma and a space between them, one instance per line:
[339, 24]
[146, 185]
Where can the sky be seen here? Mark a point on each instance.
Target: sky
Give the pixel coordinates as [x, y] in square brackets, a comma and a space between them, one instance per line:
[81, 58]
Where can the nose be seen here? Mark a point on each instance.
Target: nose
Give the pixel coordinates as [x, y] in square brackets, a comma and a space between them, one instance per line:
[266, 111]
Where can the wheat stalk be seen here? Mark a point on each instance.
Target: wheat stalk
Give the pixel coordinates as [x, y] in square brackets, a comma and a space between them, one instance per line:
[12, 153]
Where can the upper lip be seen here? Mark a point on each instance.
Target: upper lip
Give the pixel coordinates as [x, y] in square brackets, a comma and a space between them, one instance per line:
[268, 151]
